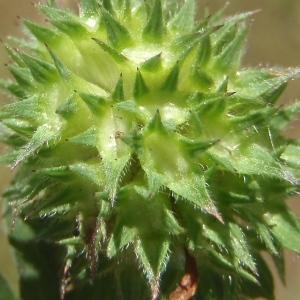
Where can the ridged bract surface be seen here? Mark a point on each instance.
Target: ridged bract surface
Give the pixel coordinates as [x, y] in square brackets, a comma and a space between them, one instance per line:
[147, 152]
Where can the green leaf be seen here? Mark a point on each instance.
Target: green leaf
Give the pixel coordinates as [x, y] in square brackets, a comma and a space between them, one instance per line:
[117, 56]
[121, 237]
[28, 109]
[87, 138]
[170, 83]
[40, 139]
[118, 35]
[66, 22]
[152, 64]
[89, 8]
[23, 77]
[256, 160]
[284, 226]
[265, 286]
[153, 255]
[183, 21]
[13, 88]
[240, 248]
[118, 92]
[6, 293]
[95, 103]
[229, 59]
[153, 31]
[44, 34]
[41, 71]
[140, 87]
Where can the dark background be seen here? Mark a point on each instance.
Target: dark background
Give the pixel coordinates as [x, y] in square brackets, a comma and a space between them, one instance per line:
[274, 40]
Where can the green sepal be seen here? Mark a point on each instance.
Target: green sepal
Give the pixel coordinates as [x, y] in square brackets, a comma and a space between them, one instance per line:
[256, 160]
[204, 52]
[229, 59]
[227, 32]
[68, 108]
[40, 138]
[117, 56]
[64, 72]
[23, 127]
[10, 138]
[240, 248]
[13, 88]
[223, 86]
[170, 83]
[121, 237]
[28, 109]
[153, 255]
[265, 81]
[284, 226]
[9, 157]
[134, 141]
[175, 168]
[72, 80]
[202, 79]
[124, 6]
[86, 138]
[284, 116]
[152, 64]
[118, 35]
[255, 117]
[274, 93]
[108, 6]
[140, 88]
[265, 287]
[195, 147]
[62, 173]
[154, 28]
[210, 104]
[15, 55]
[265, 234]
[23, 77]
[41, 71]
[64, 21]
[155, 124]
[91, 171]
[95, 103]
[89, 8]
[113, 166]
[44, 34]
[118, 92]
[183, 45]
[183, 21]
[131, 106]
[290, 155]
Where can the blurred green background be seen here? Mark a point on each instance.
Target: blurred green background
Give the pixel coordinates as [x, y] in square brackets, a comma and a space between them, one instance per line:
[274, 40]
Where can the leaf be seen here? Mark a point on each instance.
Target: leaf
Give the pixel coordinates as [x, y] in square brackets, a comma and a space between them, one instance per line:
[40, 139]
[153, 255]
[285, 227]
[121, 237]
[172, 164]
[265, 286]
[242, 256]
[184, 19]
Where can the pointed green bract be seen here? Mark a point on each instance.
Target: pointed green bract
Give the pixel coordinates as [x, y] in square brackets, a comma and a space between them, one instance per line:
[144, 153]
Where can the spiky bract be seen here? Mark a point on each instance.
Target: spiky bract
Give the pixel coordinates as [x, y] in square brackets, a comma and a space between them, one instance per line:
[141, 144]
